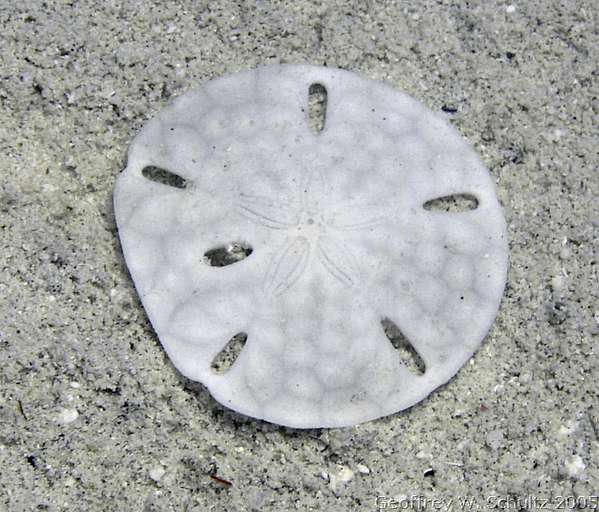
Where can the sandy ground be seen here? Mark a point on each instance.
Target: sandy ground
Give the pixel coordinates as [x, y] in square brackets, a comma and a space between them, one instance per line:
[92, 414]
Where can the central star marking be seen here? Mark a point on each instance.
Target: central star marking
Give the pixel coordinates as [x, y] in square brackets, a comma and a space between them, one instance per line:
[314, 232]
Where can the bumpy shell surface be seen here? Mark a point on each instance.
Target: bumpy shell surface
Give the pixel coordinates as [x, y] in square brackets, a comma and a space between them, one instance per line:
[341, 244]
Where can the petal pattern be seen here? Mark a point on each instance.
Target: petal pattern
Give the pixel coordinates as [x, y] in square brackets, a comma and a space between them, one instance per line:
[358, 216]
[337, 259]
[287, 265]
[265, 211]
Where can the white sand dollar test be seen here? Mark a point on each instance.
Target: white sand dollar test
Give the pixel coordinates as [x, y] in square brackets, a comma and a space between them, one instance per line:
[238, 220]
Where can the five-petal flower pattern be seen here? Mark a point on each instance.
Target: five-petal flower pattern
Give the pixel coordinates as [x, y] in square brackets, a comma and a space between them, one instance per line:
[314, 231]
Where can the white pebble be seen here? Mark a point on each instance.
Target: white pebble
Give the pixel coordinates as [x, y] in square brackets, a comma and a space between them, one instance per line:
[157, 473]
[67, 416]
[525, 378]
[510, 9]
[557, 283]
[575, 466]
[362, 469]
[499, 389]
[341, 478]
[565, 253]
